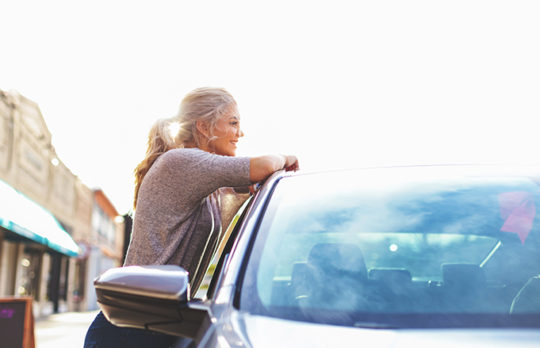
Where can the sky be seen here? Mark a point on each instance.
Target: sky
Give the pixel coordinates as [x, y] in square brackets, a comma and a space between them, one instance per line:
[338, 83]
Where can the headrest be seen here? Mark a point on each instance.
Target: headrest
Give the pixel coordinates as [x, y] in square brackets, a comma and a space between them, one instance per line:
[338, 257]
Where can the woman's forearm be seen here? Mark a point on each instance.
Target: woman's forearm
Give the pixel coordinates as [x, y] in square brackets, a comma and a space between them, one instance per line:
[263, 166]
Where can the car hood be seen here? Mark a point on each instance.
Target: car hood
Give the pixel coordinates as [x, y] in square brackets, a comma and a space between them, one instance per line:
[270, 332]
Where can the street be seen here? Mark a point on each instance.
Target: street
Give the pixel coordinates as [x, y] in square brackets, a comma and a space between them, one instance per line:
[66, 330]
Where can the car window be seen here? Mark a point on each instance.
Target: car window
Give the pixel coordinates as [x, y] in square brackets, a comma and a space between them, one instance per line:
[221, 247]
[450, 247]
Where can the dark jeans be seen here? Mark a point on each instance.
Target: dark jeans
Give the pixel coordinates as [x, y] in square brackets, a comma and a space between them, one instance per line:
[103, 334]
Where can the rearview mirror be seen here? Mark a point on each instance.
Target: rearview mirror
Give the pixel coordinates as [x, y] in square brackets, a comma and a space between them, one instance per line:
[149, 297]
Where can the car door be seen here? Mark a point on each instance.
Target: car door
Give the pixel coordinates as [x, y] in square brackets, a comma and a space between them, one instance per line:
[214, 270]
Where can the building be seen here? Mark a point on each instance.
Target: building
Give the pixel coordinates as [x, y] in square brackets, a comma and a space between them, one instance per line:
[48, 229]
[106, 249]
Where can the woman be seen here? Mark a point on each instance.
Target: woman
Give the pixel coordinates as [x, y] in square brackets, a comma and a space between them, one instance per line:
[189, 159]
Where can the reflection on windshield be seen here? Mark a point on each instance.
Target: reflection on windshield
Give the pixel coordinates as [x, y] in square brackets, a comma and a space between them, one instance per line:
[448, 247]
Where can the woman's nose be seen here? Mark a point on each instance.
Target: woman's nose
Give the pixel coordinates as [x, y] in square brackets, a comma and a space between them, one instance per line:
[240, 133]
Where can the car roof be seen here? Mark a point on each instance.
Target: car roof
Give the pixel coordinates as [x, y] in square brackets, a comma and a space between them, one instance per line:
[434, 170]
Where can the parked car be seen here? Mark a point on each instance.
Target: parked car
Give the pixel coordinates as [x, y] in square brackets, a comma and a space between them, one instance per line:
[387, 257]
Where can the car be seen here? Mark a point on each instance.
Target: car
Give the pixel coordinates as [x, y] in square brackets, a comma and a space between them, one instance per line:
[421, 256]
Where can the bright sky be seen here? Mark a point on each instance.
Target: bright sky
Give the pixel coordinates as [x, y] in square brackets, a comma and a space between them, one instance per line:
[338, 83]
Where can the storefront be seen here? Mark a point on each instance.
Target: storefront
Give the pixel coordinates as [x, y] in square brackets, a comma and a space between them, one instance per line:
[35, 252]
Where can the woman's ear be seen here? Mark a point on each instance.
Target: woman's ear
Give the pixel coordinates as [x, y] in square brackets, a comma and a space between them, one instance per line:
[203, 128]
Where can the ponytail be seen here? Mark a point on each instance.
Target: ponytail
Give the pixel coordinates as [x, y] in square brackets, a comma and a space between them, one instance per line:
[160, 140]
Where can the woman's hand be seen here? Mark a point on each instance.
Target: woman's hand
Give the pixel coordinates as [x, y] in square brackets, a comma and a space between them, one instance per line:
[291, 163]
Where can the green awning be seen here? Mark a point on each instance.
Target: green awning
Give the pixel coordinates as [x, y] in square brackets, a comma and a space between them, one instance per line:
[25, 217]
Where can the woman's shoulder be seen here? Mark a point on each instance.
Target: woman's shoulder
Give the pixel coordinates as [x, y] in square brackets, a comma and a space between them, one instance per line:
[183, 153]
[192, 158]
[195, 165]
[186, 158]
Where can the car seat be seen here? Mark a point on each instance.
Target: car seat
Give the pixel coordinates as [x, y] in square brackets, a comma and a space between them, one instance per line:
[331, 278]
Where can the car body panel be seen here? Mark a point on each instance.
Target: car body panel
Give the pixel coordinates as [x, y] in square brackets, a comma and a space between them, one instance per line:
[270, 332]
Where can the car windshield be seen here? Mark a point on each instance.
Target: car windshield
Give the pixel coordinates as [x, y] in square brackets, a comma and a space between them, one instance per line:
[402, 247]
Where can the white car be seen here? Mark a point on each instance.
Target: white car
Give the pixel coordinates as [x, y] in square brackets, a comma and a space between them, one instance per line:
[389, 257]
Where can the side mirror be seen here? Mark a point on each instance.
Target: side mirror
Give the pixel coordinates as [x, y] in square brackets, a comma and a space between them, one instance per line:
[149, 297]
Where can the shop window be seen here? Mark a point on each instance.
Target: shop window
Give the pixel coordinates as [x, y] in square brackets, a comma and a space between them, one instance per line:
[31, 270]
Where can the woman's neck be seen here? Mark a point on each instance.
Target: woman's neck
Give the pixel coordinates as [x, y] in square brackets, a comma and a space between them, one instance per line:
[192, 145]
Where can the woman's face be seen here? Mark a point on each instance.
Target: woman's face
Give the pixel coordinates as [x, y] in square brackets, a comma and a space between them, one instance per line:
[227, 132]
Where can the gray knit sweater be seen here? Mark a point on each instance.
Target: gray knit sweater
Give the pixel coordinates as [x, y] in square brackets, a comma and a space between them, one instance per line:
[178, 216]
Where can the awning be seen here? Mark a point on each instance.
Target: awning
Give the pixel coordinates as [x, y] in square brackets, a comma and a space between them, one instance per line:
[25, 217]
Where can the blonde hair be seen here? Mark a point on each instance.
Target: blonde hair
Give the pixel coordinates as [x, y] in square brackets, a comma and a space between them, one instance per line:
[202, 104]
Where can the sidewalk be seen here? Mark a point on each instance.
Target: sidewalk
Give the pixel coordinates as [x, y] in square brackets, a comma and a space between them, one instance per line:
[64, 330]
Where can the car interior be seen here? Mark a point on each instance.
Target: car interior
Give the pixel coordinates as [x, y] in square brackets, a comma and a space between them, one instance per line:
[337, 271]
